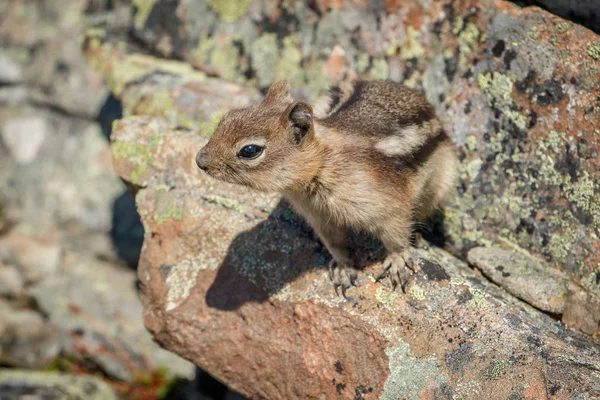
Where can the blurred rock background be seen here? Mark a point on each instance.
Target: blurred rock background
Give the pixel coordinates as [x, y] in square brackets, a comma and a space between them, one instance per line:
[70, 236]
[517, 90]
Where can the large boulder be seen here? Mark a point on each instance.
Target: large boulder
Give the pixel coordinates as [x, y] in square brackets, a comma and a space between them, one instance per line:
[236, 283]
[517, 90]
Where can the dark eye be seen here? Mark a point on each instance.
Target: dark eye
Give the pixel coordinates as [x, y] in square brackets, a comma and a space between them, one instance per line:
[250, 151]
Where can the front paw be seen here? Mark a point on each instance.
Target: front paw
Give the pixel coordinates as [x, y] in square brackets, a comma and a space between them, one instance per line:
[342, 277]
[398, 266]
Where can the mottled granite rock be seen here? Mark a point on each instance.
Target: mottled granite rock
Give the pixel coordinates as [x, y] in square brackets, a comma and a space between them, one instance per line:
[40, 44]
[584, 12]
[11, 281]
[517, 90]
[235, 282]
[169, 90]
[35, 258]
[57, 179]
[21, 384]
[96, 309]
[522, 276]
[26, 340]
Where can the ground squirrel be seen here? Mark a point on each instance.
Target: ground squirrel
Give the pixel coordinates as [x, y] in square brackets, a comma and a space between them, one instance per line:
[372, 156]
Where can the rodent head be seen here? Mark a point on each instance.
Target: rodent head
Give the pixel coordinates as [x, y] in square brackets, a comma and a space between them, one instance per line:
[269, 146]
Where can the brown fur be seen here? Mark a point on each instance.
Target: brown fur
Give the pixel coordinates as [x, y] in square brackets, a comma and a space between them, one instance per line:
[375, 159]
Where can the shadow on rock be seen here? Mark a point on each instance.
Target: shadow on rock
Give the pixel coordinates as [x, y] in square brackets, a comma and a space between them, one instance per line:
[262, 260]
[127, 232]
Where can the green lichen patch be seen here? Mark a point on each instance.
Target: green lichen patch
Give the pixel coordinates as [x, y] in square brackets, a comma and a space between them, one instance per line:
[411, 47]
[468, 40]
[289, 64]
[593, 50]
[143, 8]
[385, 296]
[532, 34]
[317, 80]
[224, 59]
[496, 369]
[362, 62]
[379, 69]
[265, 55]
[417, 292]
[410, 375]
[559, 245]
[224, 202]
[498, 89]
[122, 69]
[229, 10]
[584, 193]
[171, 212]
[563, 27]
[138, 154]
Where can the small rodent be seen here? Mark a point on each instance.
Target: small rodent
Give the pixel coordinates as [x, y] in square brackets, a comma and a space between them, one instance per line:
[372, 156]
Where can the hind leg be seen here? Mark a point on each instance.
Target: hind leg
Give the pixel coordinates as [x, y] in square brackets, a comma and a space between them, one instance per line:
[398, 265]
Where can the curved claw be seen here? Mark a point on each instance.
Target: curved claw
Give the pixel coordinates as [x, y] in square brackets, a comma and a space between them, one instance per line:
[397, 268]
[342, 277]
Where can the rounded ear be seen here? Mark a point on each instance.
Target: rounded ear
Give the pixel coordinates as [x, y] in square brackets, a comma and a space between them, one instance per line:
[300, 120]
[279, 92]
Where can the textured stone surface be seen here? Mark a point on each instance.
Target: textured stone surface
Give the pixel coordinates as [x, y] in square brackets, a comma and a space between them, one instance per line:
[169, 90]
[58, 208]
[20, 384]
[237, 283]
[517, 90]
[585, 12]
[11, 280]
[40, 42]
[523, 276]
[65, 192]
[35, 258]
[99, 316]
[26, 340]
[24, 137]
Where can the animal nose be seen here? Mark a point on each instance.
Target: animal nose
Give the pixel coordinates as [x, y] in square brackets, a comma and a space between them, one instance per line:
[201, 160]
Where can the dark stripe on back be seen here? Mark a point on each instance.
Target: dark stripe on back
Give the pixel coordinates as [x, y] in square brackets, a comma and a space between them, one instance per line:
[416, 159]
[335, 95]
[356, 92]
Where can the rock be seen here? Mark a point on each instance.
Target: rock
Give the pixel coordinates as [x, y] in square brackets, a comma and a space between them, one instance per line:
[40, 46]
[171, 90]
[96, 308]
[26, 340]
[11, 281]
[236, 283]
[21, 384]
[68, 187]
[36, 258]
[13, 95]
[522, 276]
[516, 89]
[24, 137]
[528, 78]
[582, 312]
[10, 72]
[584, 12]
